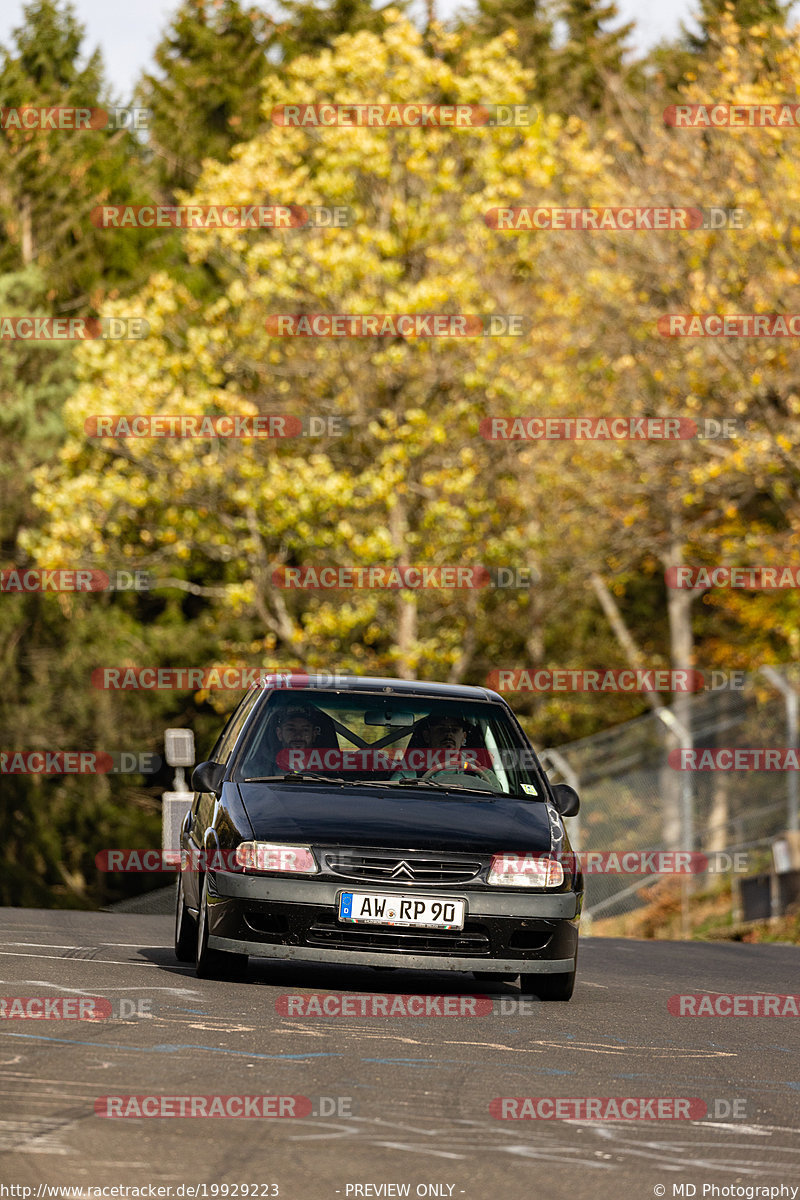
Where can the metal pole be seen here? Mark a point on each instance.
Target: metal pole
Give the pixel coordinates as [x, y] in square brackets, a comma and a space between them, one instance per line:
[687, 798]
[687, 810]
[791, 701]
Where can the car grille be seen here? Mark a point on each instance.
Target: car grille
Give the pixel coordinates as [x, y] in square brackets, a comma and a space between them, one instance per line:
[377, 867]
[471, 940]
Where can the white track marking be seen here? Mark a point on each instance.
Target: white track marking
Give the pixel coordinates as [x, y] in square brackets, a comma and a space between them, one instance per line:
[101, 962]
[84, 992]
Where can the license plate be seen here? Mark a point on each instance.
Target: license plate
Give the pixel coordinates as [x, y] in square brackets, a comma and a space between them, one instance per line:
[422, 912]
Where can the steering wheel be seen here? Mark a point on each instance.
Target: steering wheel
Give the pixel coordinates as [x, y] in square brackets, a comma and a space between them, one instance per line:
[463, 768]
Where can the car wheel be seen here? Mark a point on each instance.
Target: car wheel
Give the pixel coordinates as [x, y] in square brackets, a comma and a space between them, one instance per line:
[548, 987]
[213, 964]
[185, 927]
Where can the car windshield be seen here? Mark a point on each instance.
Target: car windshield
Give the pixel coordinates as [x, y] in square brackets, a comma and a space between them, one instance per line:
[401, 741]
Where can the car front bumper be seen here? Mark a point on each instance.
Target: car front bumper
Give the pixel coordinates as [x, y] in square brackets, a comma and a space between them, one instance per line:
[295, 920]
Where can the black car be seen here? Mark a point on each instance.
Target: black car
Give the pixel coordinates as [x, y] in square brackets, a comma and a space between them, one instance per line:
[381, 823]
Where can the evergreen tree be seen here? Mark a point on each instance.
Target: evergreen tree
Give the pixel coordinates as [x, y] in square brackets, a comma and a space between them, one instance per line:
[53, 826]
[208, 95]
[51, 179]
[593, 56]
[35, 380]
[671, 61]
[746, 14]
[312, 27]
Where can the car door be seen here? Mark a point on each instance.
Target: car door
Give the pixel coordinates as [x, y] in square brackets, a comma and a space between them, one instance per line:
[201, 814]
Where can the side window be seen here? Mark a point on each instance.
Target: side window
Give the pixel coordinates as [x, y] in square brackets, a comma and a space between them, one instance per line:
[202, 805]
[225, 743]
[514, 764]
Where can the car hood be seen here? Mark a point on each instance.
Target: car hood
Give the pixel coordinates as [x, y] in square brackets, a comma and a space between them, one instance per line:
[395, 817]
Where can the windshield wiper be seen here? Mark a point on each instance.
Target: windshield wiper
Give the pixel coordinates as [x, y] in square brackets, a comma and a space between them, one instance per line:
[307, 776]
[443, 787]
[296, 777]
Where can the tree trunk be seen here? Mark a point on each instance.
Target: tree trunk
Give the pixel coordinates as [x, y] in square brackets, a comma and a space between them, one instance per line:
[670, 782]
[679, 613]
[718, 835]
[406, 604]
[26, 228]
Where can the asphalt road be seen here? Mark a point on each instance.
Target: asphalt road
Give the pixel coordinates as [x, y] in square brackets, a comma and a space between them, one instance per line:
[410, 1095]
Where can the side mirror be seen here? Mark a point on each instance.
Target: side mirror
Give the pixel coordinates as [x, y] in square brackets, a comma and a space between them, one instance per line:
[565, 799]
[207, 777]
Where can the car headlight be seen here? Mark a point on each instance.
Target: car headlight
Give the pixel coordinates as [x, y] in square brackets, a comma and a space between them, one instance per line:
[276, 856]
[525, 870]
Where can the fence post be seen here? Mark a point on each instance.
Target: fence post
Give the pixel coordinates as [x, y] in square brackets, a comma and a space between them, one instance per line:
[790, 700]
[687, 793]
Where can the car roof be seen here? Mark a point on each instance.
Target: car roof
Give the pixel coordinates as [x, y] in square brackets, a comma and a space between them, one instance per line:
[368, 683]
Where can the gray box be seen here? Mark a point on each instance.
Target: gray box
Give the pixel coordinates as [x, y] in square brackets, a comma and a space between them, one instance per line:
[175, 806]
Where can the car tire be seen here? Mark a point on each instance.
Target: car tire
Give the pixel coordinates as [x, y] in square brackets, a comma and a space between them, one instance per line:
[548, 987]
[213, 964]
[185, 927]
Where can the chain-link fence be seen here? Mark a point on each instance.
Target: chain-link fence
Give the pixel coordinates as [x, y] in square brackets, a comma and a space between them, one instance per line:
[634, 797]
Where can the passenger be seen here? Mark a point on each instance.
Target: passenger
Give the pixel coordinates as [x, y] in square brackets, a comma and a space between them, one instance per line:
[292, 728]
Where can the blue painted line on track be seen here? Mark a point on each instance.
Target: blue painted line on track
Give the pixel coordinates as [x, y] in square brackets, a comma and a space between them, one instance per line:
[421, 1062]
[167, 1048]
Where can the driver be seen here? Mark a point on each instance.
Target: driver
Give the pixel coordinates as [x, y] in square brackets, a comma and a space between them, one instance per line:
[443, 731]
